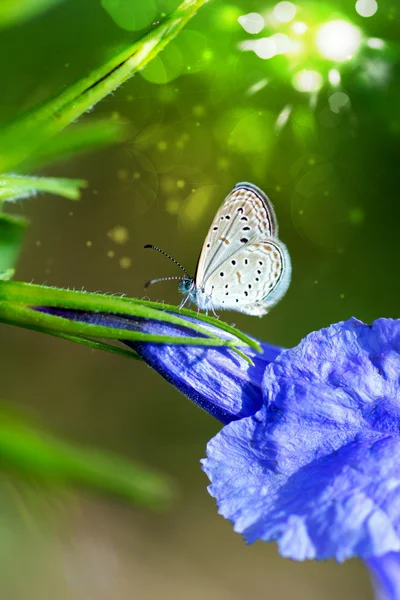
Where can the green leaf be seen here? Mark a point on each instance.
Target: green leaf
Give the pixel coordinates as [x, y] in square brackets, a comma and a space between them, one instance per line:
[12, 230]
[33, 454]
[20, 186]
[21, 138]
[77, 139]
[17, 11]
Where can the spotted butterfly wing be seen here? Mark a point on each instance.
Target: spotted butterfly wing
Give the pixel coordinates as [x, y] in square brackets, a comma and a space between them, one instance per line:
[243, 265]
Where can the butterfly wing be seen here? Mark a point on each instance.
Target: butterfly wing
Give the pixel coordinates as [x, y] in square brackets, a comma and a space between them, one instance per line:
[251, 280]
[246, 214]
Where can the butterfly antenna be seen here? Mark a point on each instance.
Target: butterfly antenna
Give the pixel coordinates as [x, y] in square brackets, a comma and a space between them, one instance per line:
[170, 258]
[161, 279]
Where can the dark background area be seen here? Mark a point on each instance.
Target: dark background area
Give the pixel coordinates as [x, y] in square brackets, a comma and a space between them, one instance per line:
[194, 131]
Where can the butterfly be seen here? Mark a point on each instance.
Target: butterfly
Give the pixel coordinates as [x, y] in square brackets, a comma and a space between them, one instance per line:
[243, 265]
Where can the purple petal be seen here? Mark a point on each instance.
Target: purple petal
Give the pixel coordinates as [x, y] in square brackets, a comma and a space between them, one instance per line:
[316, 467]
[216, 379]
[385, 572]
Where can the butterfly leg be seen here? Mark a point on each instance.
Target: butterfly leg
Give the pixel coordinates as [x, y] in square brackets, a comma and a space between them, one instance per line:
[214, 313]
[182, 304]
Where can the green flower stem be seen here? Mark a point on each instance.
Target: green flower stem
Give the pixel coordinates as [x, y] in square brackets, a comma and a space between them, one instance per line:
[22, 137]
[17, 300]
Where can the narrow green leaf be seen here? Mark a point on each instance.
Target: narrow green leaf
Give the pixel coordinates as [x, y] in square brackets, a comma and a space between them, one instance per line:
[12, 230]
[96, 345]
[17, 11]
[77, 139]
[36, 455]
[19, 186]
[25, 135]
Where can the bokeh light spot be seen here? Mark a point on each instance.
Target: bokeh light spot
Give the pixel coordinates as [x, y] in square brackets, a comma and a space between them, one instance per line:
[375, 43]
[118, 234]
[307, 80]
[338, 101]
[299, 27]
[165, 67]
[284, 12]
[131, 16]
[356, 216]
[334, 77]
[268, 47]
[172, 206]
[125, 262]
[366, 8]
[226, 17]
[252, 23]
[257, 87]
[338, 40]
[283, 117]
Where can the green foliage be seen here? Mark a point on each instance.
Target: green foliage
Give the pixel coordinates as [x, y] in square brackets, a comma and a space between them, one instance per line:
[29, 142]
[35, 455]
[13, 12]
[24, 136]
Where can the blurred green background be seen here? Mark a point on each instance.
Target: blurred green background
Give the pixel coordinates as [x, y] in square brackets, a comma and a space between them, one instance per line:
[208, 112]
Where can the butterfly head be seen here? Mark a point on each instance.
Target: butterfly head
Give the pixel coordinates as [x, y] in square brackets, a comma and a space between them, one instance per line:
[186, 286]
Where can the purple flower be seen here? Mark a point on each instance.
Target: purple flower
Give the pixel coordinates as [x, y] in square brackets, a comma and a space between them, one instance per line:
[316, 467]
[309, 455]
